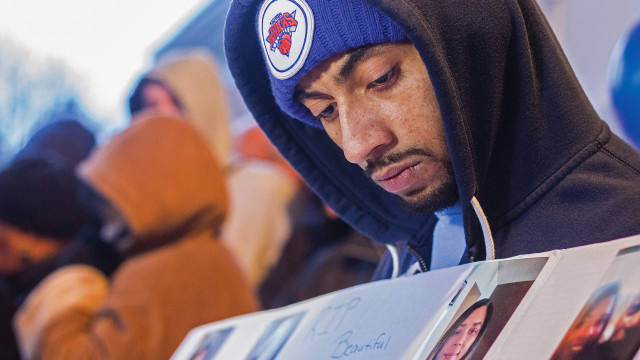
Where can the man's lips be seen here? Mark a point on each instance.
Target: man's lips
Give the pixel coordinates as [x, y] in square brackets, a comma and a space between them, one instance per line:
[397, 178]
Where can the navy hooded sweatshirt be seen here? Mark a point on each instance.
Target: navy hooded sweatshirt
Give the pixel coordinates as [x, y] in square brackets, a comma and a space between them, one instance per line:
[536, 168]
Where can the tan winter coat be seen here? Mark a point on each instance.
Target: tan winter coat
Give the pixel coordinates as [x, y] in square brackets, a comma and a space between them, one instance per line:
[257, 224]
[193, 77]
[161, 175]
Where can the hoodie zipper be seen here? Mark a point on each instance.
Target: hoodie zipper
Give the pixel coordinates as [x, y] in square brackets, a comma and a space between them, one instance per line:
[488, 239]
[423, 264]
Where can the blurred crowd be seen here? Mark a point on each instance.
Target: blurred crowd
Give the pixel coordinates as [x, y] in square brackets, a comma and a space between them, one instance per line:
[116, 250]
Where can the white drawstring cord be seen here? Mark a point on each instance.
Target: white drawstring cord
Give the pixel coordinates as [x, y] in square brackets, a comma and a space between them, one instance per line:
[486, 231]
[394, 259]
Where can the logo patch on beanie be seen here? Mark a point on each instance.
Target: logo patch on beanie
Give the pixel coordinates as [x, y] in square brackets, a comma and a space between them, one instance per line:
[286, 31]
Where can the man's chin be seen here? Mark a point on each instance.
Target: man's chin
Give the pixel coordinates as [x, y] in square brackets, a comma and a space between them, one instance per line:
[428, 202]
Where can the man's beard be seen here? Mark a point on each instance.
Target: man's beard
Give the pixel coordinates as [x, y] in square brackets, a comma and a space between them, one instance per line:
[444, 196]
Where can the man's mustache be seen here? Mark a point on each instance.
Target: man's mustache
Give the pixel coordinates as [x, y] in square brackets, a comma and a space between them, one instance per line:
[376, 164]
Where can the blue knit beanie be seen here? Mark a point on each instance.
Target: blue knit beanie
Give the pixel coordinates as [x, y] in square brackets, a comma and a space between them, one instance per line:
[297, 35]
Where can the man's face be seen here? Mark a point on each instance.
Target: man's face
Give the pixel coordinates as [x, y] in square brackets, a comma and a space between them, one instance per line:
[457, 345]
[378, 105]
[19, 249]
[10, 259]
[158, 99]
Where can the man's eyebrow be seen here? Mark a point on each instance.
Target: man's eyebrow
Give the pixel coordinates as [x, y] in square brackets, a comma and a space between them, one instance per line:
[355, 57]
[301, 95]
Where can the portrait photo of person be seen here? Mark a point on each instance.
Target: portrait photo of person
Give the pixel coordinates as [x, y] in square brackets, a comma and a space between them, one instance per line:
[461, 338]
[608, 326]
[581, 341]
[275, 337]
[625, 337]
[495, 290]
[210, 345]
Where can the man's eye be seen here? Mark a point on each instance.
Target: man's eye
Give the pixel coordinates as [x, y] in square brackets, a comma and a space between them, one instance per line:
[327, 114]
[382, 80]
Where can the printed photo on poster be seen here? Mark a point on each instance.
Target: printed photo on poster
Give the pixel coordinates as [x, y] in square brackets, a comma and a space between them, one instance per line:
[464, 333]
[210, 344]
[483, 306]
[275, 337]
[608, 325]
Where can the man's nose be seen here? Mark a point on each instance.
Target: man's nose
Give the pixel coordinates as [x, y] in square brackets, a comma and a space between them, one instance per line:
[365, 133]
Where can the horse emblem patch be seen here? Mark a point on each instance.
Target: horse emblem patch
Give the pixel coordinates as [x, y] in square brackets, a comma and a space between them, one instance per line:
[286, 31]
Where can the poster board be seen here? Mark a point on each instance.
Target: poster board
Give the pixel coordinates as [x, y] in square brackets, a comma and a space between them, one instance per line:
[525, 307]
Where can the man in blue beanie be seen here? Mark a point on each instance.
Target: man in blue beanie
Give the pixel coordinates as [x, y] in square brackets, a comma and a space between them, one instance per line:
[452, 131]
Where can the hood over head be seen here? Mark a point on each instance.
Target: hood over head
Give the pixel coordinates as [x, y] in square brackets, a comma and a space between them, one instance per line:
[193, 78]
[67, 140]
[513, 110]
[160, 174]
[39, 195]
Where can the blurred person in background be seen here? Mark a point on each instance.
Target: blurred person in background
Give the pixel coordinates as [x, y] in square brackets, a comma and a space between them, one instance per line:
[187, 83]
[39, 218]
[43, 223]
[162, 198]
[323, 254]
[261, 184]
[66, 141]
[64, 138]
